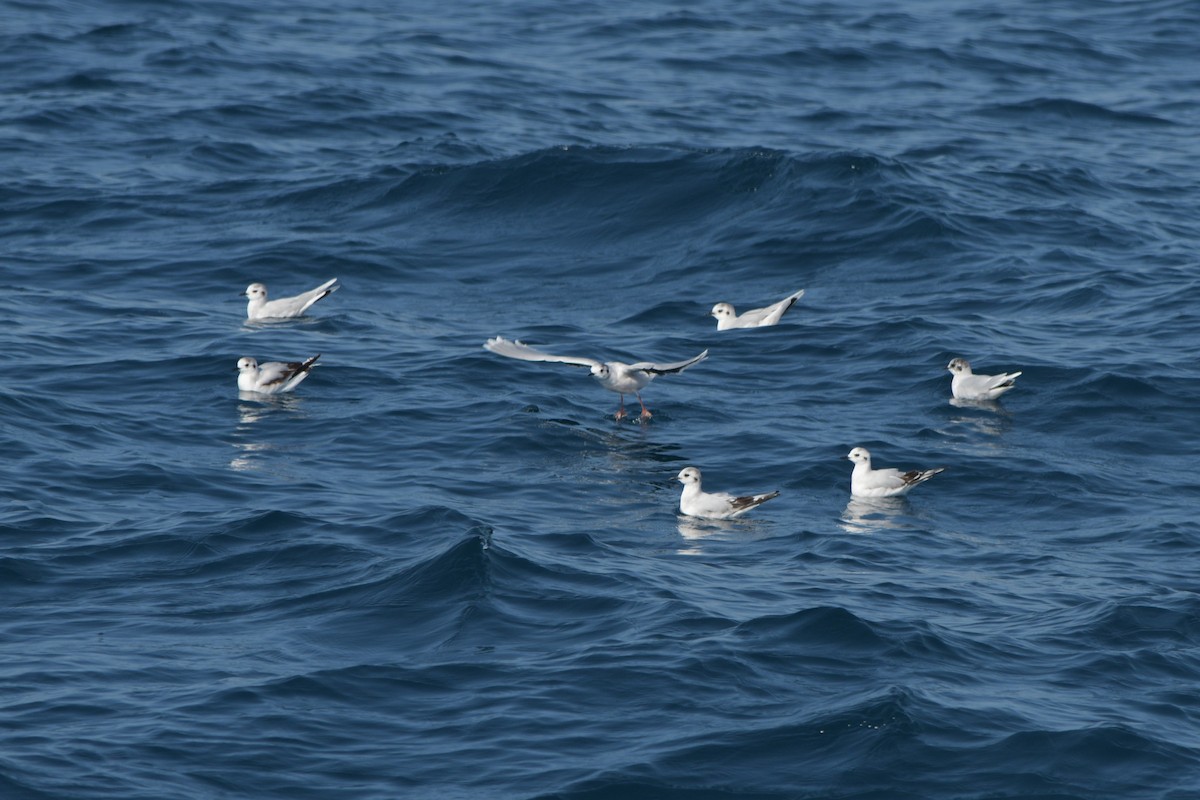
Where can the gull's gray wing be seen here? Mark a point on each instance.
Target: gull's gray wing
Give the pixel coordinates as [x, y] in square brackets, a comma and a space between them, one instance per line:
[278, 372]
[507, 347]
[772, 313]
[996, 381]
[664, 369]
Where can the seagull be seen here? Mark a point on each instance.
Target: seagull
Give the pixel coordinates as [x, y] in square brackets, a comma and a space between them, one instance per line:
[727, 318]
[867, 482]
[274, 377]
[969, 386]
[718, 505]
[285, 307]
[613, 375]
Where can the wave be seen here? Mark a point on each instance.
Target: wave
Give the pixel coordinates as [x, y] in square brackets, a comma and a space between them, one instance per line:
[893, 744]
[1070, 110]
[436, 572]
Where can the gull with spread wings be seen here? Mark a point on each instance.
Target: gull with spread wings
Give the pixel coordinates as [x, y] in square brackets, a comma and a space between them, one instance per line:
[613, 375]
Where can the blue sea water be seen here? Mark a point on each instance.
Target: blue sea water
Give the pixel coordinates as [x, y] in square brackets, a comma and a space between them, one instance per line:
[433, 572]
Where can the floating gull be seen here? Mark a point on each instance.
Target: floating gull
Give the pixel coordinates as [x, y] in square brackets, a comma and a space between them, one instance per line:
[867, 482]
[274, 377]
[285, 307]
[969, 386]
[718, 505]
[613, 375]
[727, 318]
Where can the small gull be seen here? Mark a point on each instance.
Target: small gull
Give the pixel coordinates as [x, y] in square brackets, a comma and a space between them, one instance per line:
[613, 375]
[968, 386]
[727, 318]
[867, 482]
[695, 502]
[259, 307]
[273, 377]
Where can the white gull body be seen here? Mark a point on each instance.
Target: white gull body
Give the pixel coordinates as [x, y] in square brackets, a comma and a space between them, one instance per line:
[966, 385]
[867, 482]
[729, 319]
[273, 377]
[695, 502]
[259, 307]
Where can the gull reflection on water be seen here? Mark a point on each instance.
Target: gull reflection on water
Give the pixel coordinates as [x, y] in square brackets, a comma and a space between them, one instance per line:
[244, 462]
[695, 530]
[989, 425]
[865, 515]
[254, 408]
[982, 405]
[698, 528]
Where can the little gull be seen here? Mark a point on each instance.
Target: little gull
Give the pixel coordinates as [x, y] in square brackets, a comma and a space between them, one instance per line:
[273, 377]
[968, 386]
[259, 307]
[613, 375]
[695, 502]
[867, 482]
[728, 319]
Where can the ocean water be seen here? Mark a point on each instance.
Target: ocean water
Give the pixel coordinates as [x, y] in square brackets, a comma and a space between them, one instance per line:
[432, 572]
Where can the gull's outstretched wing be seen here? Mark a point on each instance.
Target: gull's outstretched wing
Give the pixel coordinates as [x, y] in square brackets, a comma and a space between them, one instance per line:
[665, 369]
[507, 347]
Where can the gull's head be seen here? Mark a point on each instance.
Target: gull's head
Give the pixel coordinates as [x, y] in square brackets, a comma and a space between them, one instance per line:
[688, 475]
[959, 366]
[723, 311]
[600, 371]
[256, 291]
[246, 364]
[859, 455]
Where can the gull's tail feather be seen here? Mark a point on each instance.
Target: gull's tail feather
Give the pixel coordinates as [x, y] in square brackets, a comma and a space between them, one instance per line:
[299, 372]
[791, 301]
[324, 290]
[1007, 381]
[920, 476]
[750, 501]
